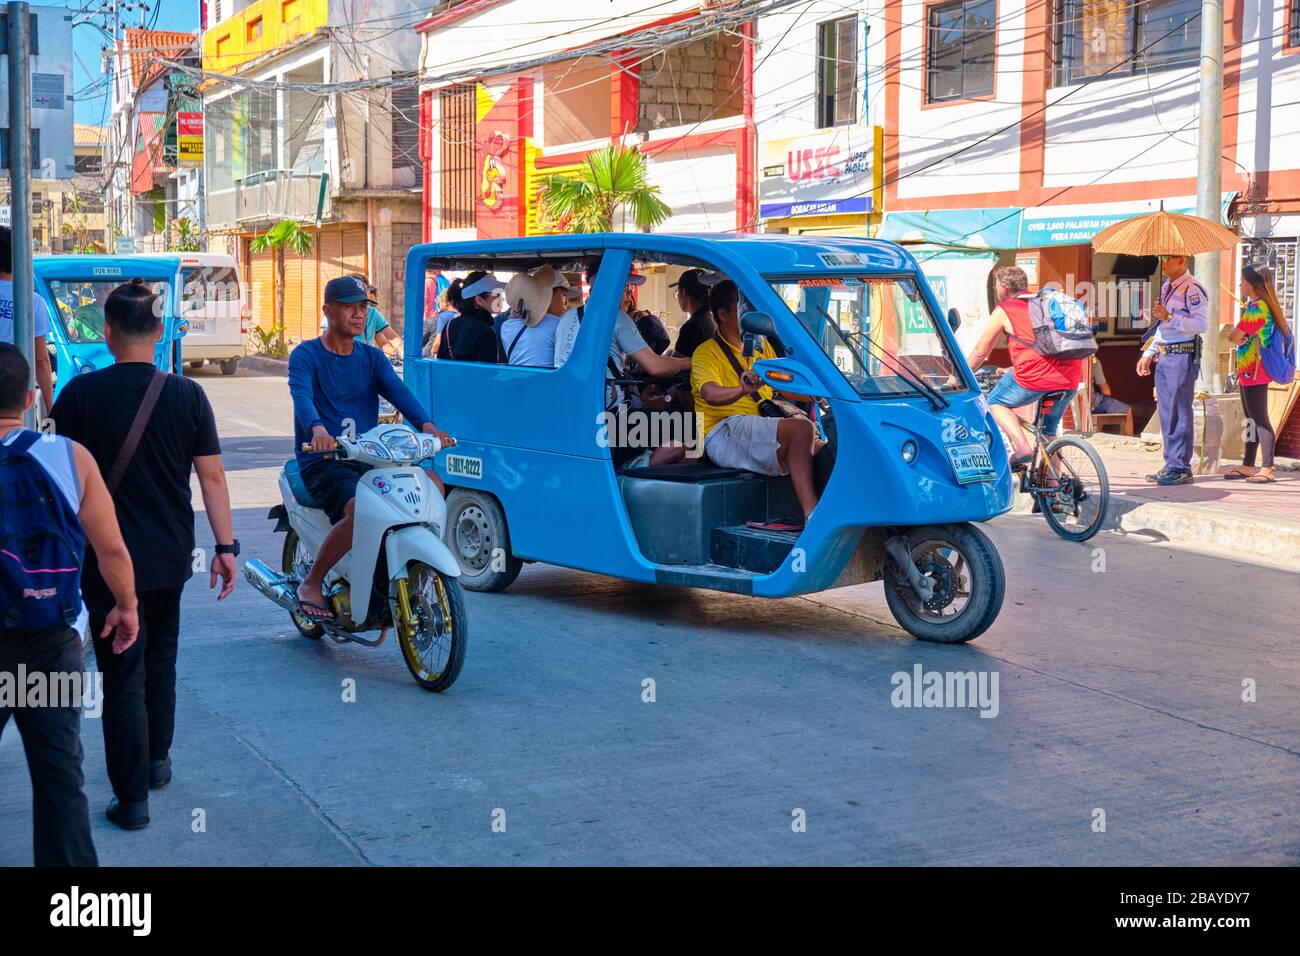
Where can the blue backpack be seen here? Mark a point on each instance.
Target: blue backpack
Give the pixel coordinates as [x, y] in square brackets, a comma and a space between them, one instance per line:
[41, 544]
[1278, 356]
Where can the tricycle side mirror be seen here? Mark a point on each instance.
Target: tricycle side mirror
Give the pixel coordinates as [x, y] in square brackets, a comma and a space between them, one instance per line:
[954, 319]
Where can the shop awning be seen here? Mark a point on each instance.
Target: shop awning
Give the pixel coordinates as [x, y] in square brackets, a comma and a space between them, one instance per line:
[1032, 227]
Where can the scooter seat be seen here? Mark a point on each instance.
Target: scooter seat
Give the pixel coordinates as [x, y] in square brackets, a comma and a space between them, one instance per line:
[298, 486]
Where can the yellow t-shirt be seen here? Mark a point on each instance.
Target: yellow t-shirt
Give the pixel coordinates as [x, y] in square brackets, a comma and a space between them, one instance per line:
[708, 364]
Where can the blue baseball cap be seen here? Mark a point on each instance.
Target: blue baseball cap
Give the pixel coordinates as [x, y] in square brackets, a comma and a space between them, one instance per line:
[347, 289]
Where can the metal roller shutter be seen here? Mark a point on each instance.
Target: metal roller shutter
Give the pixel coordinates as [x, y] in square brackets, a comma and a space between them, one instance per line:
[261, 273]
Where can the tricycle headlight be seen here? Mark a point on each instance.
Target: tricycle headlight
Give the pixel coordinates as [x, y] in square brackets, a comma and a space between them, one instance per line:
[908, 451]
[402, 444]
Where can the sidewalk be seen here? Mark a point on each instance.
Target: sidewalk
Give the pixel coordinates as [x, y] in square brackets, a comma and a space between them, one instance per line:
[1261, 522]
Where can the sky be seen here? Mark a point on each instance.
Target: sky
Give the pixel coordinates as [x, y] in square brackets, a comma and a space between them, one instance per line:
[89, 38]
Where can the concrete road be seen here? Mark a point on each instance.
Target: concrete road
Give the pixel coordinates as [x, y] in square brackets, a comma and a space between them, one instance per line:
[771, 739]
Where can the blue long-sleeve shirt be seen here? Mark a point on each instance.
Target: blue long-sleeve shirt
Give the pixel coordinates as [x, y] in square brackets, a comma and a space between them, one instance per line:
[330, 389]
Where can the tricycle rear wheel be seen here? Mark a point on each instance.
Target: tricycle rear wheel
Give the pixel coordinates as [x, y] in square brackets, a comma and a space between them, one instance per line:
[969, 584]
[477, 535]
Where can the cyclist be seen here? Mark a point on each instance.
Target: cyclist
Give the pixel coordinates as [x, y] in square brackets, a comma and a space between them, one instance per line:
[1031, 375]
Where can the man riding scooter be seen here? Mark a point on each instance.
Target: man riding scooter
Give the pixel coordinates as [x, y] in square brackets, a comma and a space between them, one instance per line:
[336, 383]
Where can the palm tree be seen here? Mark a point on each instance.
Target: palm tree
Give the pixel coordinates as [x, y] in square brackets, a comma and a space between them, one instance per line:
[287, 233]
[610, 179]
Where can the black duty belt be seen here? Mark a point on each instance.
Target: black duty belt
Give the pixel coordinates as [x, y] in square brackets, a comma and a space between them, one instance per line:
[1178, 348]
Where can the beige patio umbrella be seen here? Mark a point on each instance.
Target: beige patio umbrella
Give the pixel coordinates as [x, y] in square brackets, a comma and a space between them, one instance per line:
[1164, 234]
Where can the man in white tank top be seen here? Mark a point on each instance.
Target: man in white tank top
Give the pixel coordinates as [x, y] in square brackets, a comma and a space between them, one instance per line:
[52, 734]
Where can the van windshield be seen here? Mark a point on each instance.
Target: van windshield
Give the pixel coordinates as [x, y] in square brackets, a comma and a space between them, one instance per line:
[876, 329]
[80, 305]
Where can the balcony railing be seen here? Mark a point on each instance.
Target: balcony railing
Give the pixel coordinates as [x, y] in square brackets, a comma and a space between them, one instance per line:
[270, 196]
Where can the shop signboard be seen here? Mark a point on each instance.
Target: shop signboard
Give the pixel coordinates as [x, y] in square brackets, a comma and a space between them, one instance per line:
[829, 172]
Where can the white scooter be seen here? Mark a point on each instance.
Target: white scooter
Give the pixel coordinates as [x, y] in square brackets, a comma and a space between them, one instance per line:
[398, 573]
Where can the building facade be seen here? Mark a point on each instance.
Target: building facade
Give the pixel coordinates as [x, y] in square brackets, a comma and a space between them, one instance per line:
[152, 190]
[317, 123]
[1014, 130]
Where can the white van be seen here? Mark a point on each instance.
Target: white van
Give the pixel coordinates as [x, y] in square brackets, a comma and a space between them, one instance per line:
[213, 305]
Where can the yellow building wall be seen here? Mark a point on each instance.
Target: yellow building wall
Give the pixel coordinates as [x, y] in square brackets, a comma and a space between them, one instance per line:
[260, 28]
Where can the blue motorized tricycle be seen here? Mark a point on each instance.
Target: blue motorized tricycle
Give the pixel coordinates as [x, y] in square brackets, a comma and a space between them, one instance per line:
[75, 288]
[911, 461]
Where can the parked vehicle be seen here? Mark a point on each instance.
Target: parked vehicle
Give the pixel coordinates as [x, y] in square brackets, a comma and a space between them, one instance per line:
[398, 572]
[913, 460]
[216, 308]
[75, 288]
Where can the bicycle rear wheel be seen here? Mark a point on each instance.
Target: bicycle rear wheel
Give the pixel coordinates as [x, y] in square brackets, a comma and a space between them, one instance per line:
[1076, 507]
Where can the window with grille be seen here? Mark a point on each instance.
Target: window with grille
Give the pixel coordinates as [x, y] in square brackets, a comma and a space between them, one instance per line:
[960, 49]
[1293, 24]
[1124, 37]
[456, 149]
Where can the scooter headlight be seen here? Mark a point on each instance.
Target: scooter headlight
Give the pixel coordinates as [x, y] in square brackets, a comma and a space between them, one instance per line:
[908, 451]
[402, 444]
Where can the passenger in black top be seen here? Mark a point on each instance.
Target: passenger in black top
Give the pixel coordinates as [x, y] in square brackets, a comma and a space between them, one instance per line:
[152, 500]
[693, 297]
[471, 336]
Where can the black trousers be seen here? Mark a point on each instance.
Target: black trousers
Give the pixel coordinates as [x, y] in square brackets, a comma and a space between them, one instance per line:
[139, 691]
[52, 742]
[1254, 402]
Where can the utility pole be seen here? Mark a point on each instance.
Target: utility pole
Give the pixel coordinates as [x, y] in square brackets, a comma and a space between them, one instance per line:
[20, 185]
[1209, 177]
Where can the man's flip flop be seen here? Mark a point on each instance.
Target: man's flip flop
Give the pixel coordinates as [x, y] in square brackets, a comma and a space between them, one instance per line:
[1236, 475]
[1258, 479]
[773, 526]
[1021, 462]
[302, 609]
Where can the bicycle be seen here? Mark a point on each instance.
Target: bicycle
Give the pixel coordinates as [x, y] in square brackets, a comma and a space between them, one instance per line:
[1066, 476]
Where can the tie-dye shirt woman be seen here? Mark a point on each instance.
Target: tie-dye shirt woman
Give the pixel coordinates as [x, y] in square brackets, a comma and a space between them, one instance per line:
[1257, 324]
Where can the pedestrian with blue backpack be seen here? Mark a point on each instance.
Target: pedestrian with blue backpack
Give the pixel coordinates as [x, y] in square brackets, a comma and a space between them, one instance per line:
[52, 501]
[1265, 354]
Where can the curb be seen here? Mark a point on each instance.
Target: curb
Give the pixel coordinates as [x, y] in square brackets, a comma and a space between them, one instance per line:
[1205, 528]
[263, 363]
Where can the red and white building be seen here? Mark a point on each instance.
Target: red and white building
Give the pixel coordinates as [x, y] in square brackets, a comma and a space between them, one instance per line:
[673, 78]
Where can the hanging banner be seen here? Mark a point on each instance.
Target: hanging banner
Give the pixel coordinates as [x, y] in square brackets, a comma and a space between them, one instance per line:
[497, 163]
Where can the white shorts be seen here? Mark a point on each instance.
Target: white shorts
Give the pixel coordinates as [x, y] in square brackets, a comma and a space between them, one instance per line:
[748, 442]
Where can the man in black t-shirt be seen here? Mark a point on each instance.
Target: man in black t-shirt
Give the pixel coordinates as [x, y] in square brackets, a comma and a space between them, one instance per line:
[152, 500]
[693, 298]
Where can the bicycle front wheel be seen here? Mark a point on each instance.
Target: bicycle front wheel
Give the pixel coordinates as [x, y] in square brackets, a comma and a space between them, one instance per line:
[1079, 492]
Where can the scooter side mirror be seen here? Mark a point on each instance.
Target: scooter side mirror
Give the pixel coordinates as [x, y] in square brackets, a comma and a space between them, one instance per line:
[954, 319]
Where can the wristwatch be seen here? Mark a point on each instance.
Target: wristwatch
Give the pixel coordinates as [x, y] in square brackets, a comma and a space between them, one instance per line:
[231, 549]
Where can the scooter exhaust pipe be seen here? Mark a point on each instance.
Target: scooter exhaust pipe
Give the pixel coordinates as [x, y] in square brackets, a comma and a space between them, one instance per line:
[271, 584]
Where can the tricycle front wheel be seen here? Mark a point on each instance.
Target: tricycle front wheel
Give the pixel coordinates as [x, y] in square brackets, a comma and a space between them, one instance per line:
[968, 579]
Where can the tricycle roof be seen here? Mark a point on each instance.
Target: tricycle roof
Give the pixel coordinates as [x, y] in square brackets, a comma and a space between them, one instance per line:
[106, 267]
[764, 253]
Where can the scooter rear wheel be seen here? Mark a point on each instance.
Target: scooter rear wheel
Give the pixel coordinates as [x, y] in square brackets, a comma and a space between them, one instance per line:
[295, 561]
[969, 584]
[435, 652]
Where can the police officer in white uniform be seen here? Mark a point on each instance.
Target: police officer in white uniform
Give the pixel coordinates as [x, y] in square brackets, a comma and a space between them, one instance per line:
[1182, 312]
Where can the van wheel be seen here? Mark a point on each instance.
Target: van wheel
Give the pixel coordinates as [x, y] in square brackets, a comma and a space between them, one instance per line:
[477, 535]
[969, 584]
[228, 366]
[196, 364]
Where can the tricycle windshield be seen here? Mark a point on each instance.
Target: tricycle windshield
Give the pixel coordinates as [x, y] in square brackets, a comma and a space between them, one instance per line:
[81, 304]
[876, 329]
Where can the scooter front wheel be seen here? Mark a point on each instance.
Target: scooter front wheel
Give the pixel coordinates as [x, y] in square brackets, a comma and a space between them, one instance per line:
[969, 584]
[295, 562]
[432, 626]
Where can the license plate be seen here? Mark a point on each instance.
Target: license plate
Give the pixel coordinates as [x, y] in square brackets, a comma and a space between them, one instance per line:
[970, 463]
